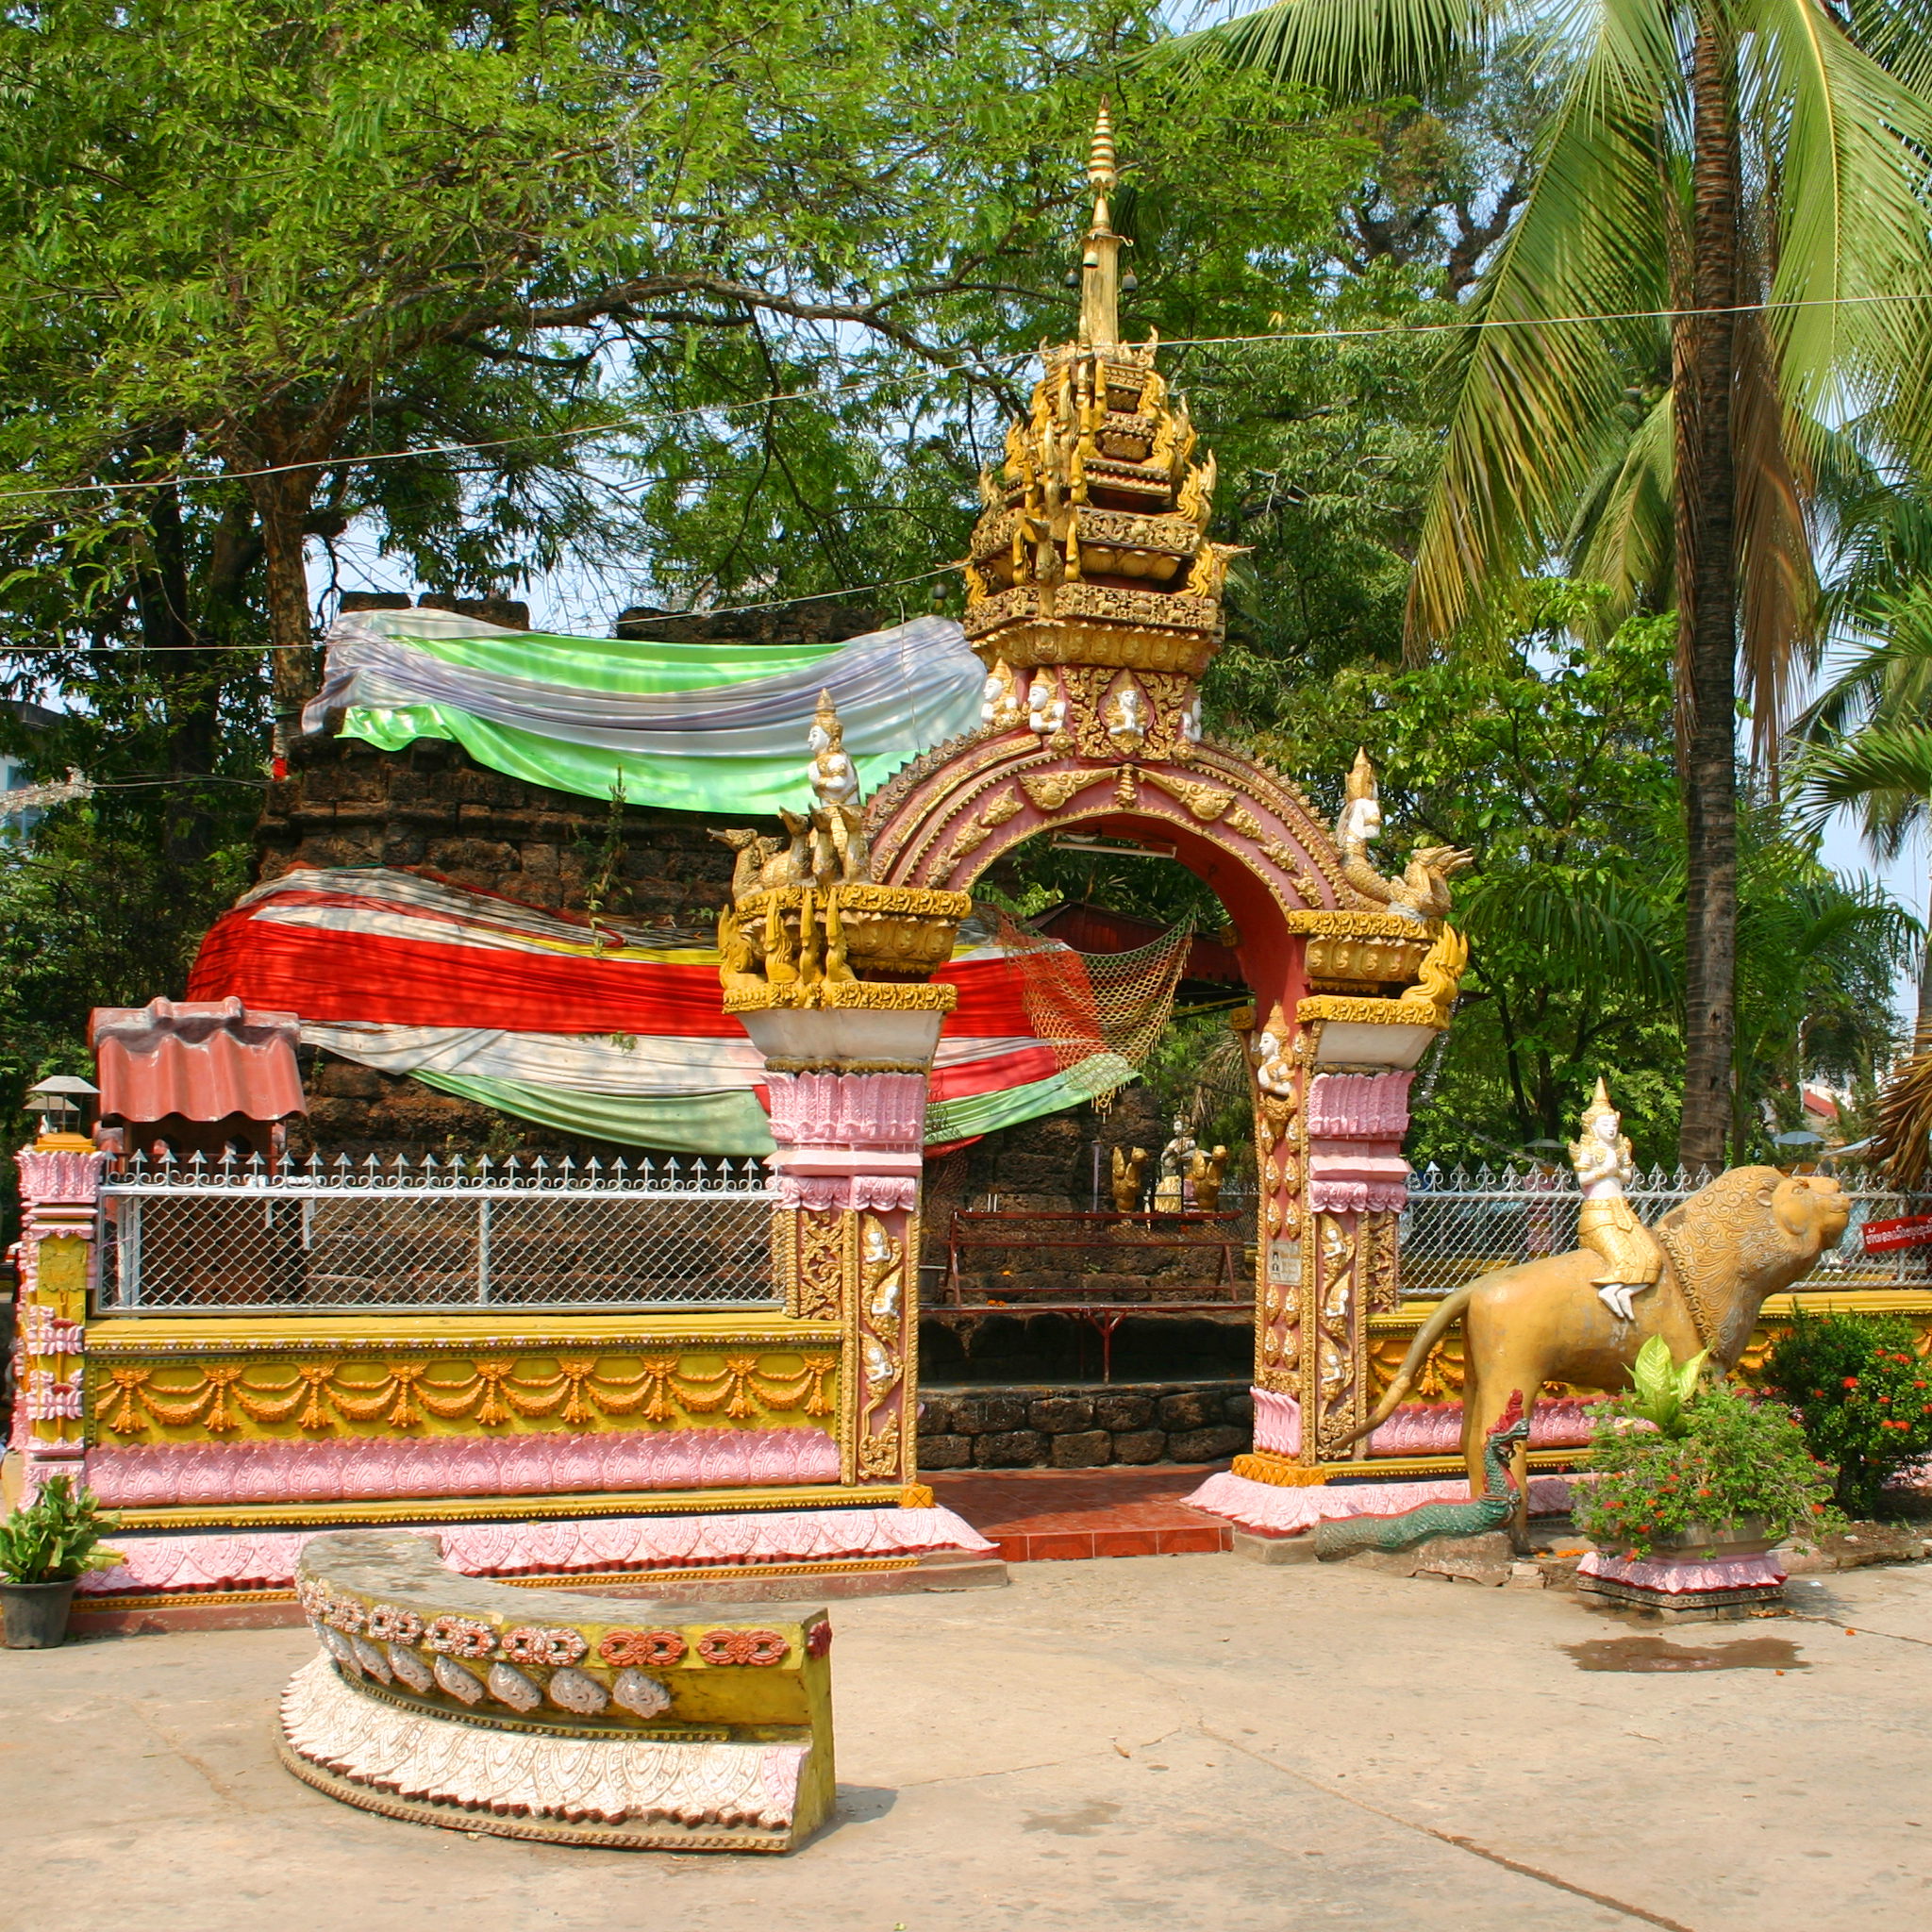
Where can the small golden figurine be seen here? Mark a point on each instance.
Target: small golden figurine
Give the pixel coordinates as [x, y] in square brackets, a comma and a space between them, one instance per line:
[1606, 1224]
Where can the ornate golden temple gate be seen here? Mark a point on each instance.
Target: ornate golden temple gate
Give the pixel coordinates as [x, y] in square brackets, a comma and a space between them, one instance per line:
[1094, 602]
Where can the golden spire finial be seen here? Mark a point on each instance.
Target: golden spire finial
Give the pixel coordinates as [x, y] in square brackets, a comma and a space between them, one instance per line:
[1100, 262]
[1100, 156]
[1362, 777]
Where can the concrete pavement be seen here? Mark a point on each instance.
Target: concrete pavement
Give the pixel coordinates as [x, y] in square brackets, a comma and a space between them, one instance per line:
[1119, 1746]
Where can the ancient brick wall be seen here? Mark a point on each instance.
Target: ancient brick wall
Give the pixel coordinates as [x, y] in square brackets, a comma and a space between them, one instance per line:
[1084, 1427]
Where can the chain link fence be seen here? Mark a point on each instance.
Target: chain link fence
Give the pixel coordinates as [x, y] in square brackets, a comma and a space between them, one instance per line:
[233, 1237]
[1461, 1223]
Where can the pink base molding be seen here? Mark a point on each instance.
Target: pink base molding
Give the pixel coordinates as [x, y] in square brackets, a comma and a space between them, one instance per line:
[160, 1475]
[1681, 1579]
[1420, 1429]
[265, 1559]
[1270, 1509]
[1435, 1428]
[1277, 1422]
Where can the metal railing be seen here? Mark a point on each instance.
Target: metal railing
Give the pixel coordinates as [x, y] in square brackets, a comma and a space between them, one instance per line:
[248, 1237]
[1461, 1223]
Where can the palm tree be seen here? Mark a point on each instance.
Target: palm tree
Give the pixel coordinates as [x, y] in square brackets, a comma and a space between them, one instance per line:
[1868, 736]
[1728, 194]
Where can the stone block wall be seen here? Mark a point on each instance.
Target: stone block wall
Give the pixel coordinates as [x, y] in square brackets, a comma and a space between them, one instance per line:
[1084, 1427]
[433, 807]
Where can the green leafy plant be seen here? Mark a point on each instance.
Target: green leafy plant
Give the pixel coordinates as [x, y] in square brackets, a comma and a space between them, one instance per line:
[1661, 1392]
[1726, 1456]
[1862, 1393]
[57, 1536]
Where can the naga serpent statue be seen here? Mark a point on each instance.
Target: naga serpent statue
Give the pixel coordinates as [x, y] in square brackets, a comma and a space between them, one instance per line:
[1342, 1536]
[1751, 1233]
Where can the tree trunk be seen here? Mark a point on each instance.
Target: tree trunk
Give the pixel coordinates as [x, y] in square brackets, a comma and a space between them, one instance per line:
[1705, 355]
[1922, 1034]
[281, 502]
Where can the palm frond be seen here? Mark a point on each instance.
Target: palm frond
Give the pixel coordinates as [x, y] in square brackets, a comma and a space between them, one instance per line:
[1904, 1119]
[1625, 535]
[1778, 594]
[1353, 50]
[1853, 286]
[1536, 413]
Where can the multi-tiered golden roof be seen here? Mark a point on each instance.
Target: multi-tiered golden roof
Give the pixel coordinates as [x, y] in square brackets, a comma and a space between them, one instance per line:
[1093, 549]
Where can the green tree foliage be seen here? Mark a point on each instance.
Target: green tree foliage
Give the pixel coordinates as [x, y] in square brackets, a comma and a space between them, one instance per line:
[1552, 763]
[1698, 160]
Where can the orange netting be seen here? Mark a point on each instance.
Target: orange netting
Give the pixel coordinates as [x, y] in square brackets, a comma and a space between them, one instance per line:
[1083, 1004]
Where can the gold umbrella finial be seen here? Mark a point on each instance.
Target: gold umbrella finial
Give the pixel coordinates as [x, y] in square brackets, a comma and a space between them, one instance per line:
[1100, 156]
[1100, 259]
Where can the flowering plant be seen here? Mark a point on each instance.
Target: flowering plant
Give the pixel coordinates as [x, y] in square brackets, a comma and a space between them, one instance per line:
[1732, 1458]
[1862, 1393]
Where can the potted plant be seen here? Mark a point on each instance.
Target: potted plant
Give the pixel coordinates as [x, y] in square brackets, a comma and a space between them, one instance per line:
[46, 1547]
[1691, 1475]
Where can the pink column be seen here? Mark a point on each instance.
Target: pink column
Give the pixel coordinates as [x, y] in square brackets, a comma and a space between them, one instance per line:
[847, 1246]
[59, 1189]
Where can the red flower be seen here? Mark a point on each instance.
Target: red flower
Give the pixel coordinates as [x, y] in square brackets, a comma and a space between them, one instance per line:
[1851, 1381]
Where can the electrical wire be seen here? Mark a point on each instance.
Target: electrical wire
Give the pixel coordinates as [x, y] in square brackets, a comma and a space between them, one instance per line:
[925, 576]
[1018, 358]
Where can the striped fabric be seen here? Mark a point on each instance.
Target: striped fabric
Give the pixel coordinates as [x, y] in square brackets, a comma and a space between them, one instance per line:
[605, 1028]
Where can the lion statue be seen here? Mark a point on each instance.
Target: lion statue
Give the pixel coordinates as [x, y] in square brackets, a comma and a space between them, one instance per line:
[1751, 1233]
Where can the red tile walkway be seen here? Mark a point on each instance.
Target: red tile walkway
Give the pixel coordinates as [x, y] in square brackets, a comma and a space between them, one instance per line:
[1044, 1515]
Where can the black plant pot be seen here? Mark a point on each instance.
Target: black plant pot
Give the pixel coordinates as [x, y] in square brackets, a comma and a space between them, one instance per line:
[35, 1614]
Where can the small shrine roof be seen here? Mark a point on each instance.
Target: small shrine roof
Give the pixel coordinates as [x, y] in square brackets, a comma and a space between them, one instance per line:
[200, 1060]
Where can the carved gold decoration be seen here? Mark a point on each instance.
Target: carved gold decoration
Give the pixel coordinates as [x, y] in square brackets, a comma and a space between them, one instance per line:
[1433, 1000]
[877, 1434]
[823, 1248]
[1128, 1178]
[1381, 1267]
[879, 1454]
[1365, 1012]
[1332, 1369]
[1003, 808]
[1127, 582]
[862, 995]
[1050, 791]
[1361, 926]
[804, 935]
[1204, 802]
[1126, 787]
[1262, 1467]
[382, 1395]
[1344, 961]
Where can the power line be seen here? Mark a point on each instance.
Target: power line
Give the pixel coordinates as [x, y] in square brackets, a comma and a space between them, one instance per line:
[782, 396]
[925, 576]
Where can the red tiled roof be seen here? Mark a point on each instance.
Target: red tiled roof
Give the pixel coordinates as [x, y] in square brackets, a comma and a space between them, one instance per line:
[201, 1059]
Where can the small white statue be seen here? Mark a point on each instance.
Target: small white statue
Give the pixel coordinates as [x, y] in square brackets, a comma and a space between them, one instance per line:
[1046, 710]
[834, 778]
[1177, 1158]
[999, 697]
[1606, 1224]
[1125, 716]
[837, 825]
[1360, 822]
[1191, 720]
